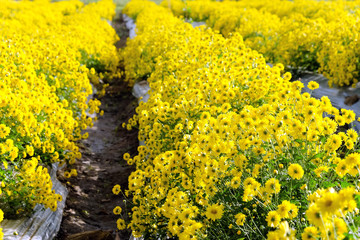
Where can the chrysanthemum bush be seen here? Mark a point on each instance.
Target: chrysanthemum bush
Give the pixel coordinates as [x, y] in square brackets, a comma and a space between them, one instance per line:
[49, 52]
[312, 35]
[233, 148]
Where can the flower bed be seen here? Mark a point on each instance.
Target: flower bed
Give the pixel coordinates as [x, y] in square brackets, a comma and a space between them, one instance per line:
[313, 35]
[49, 52]
[233, 148]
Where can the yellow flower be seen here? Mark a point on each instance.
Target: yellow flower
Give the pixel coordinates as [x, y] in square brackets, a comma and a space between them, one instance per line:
[293, 211]
[73, 172]
[4, 131]
[347, 194]
[348, 115]
[352, 159]
[341, 168]
[352, 134]
[117, 210]
[284, 209]
[329, 203]
[250, 182]
[67, 174]
[286, 232]
[116, 189]
[256, 170]
[287, 76]
[240, 219]
[313, 214]
[295, 171]
[349, 144]
[349, 206]
[340, 120]
[273, 235]
[214, 212]
[120, 223]
[333, 142]
[320, 170]
[53, 205]
[272, 185]
[340, 226]
[205, 115]
[126, 156]
[59, 197]
[310, 233]
[188, 214]
[313, 85]
[273, 219]
[235, 182]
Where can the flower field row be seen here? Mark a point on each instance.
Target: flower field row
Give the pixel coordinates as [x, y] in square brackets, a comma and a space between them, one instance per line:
[233, 149]
[306, 34]
[49, 52]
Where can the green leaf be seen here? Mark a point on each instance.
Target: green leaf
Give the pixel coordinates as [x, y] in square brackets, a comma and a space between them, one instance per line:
[345, 184]
[356, 220]
[329, 184]
[357, 199]
[318, 155]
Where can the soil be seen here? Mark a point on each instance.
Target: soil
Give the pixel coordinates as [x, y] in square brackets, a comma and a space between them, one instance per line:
[89, 206]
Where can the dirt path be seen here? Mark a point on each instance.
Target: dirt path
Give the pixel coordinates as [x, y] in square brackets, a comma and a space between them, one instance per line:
[90, 203]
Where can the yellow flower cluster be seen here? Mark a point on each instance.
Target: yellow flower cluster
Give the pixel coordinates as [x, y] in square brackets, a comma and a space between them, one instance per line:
[232, 147]
[306, 34]
[138, 69]
[327, 211]
[46, 53]
[1, 219]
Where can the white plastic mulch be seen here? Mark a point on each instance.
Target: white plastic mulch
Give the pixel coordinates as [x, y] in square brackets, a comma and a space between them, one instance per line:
[43, 224]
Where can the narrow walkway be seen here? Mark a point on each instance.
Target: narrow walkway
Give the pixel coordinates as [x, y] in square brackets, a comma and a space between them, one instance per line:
[89, 206]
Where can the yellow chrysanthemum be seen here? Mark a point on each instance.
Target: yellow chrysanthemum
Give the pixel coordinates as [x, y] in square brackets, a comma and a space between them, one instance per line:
[340, 226]
[240, 219]
[273, 219]
[214, 212]
[314, 215]
[341, 168]
[284, 209]
[329, 203]
[313, 85]
[352, 159]
[310, 233]
[295, 171]
[120, 223]
[235, 182]
[117, 210]
[116, 189]
[272, 186]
